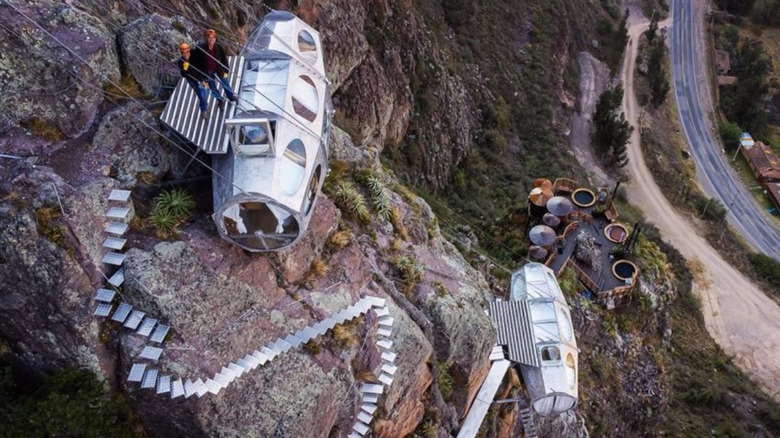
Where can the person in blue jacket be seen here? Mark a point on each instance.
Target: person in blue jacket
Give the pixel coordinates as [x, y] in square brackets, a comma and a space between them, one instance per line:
[194, 77]
[211, 58]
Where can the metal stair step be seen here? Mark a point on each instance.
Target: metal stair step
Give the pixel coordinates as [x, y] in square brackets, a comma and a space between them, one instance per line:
[236, 368]
[150, 379]
[222, 380]
[247, 364]
[387, 379]
[360, 428]
[119, 195]
[261, 357]
[368, 408]
[364, 417]
[370, 398]
[200, 388]
[213, 386]
[118, 212]
[177, 388]
[227, 372]
[371, 388]
[382, 311]
[116, 243]
[136, 372]
[151, 353]
[271, 353]
[105, 295]
[339, 317]
[293, 340]
[103, 309]
[114, 258]
[121, 312]
[386, 332]
[323, 326]
[118, 278]
[386, 321]
[389, 369]
[497, 353]
[189, 388]
[116, 228]
[280, 345]
[384, 344]
[389, 356]
[164, 384]
[375, 301]
[146, 326]
[307, 334]
[135, 318]
[159, 333]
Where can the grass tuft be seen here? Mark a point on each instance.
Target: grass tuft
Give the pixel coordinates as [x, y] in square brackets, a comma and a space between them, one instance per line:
[170, 209]
[341, 239]
[45, 130]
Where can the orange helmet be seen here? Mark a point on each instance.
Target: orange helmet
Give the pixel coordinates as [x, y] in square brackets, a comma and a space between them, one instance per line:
[210, 32]
[183, 47]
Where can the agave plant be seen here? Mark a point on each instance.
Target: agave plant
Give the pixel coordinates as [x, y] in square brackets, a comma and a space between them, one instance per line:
[178, 202]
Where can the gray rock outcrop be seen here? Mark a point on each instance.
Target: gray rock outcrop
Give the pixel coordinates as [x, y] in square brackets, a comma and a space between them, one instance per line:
[53, 87]
[129, 136]
[149, 48]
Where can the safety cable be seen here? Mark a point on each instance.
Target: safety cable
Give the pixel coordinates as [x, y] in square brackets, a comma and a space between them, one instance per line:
[290, 117]
[194, 156]
[131, 98]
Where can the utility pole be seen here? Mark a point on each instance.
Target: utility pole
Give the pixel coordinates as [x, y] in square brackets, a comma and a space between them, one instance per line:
[737, 152]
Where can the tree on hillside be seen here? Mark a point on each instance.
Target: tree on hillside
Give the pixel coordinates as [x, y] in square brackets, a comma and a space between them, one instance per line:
[612, 129]
[730, 134]
[618, 44]
[652, 31]
[767, 13]
[738, 7]
[656, 73]
[743, 103]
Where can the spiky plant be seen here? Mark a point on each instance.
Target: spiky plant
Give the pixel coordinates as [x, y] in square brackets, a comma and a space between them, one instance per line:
[178, 202]
[341, 239]
[349, 198]
[318, 267]
[379, 198]
[344, 336]
[163, 220]
[410, 268]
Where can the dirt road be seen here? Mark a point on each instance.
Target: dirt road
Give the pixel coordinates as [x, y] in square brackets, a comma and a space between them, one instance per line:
[739, 316]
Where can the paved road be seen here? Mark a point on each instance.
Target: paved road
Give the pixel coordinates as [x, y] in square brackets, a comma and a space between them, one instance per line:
[738, 315]
[714, 172]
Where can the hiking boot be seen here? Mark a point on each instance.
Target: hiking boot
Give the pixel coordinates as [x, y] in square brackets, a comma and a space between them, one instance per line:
[204, 115]
[234, 99]
[221, 104]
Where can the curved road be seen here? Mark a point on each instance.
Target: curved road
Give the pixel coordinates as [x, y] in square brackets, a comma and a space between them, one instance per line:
[738, 315]
[714, 173]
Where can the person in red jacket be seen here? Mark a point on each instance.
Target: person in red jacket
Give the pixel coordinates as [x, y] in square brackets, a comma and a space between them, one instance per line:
[193, 78]
[211, 59]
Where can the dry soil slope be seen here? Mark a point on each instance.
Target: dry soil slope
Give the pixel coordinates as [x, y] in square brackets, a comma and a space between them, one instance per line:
[738, 315]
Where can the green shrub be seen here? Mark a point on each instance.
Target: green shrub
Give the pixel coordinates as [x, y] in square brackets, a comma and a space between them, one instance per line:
[379, 198]
[410, 268]
[444, 379]
[767, 267]
[66, 403]
[178, 202]
[349, 198]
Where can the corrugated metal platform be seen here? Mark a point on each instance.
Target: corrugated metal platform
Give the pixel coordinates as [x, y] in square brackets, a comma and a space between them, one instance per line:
[182, 114]
[515, 330]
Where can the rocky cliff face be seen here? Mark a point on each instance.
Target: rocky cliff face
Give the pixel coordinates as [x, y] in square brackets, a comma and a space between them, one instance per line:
[221, 302]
